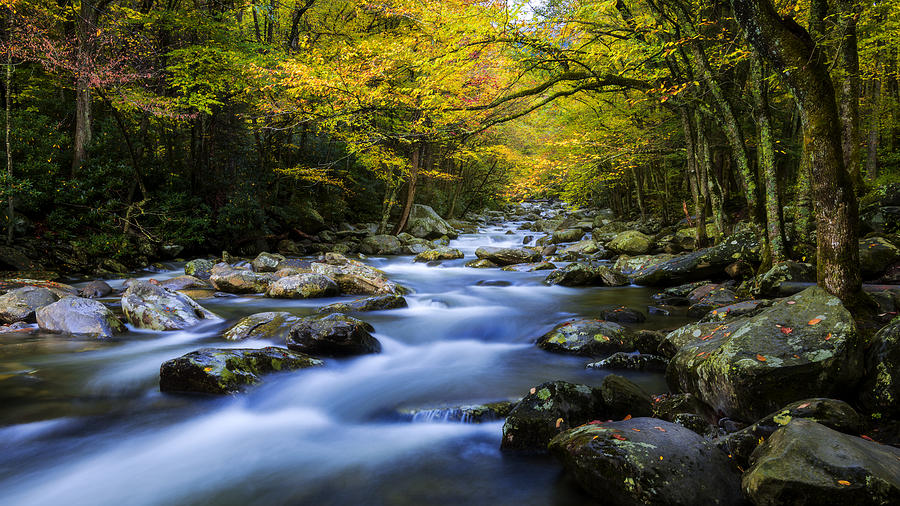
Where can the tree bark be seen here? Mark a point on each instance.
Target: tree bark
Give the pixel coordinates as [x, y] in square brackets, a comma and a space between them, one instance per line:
[415, 160]
[874, 130]
[9, 164]
[791, 51]
[848, 59]
[766, 156]
[85, 27]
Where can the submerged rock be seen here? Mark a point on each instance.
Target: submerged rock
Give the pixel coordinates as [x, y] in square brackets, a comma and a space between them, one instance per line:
[377, 303]
[532, 267]
[227, 371]
[76, 315]
[474, 413]
[335, 334]
[150, 306]
[647, 461]
[303, 286]
[20, 304]
[270, 325]
[584, 274]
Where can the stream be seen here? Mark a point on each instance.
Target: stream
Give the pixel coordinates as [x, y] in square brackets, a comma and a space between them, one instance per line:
[83, 421]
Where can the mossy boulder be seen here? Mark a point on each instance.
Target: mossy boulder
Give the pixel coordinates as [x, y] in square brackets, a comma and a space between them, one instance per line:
[745, 367]
[150, 306]
[377, 303]
[437, 254]
[701, 264]
[381, 245]
[531, 267]
[805, 462]
[586, 247]
[547, 410]
[631, 242]
[335, 334]
[622, 397]
[881, 387]
[628, 265]
[199, 268]
[587, 337]
[227, 371]
[566, 235]
[274, 325]
[769, 284]
[508, 256]
[631, 361]
[425, 223]
[647, 461]
[716, 297]
[621, 314]
[303, 286]
[21, 303]
[585, 274]
[229, 279]
[355, 277]
[481, 263]
[97, 288]
[267, 262]
[876, 254]
[77, 315]
[185, 282]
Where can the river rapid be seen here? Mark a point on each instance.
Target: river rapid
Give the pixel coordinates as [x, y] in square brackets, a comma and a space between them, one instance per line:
[83, 421]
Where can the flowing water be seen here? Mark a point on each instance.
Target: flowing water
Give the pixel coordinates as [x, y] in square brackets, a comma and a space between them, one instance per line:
[83, 422]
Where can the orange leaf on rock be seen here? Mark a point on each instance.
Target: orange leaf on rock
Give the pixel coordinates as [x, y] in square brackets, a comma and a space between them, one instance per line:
[844, 483]
[804, 405]
[619, 437]
[760, 357]
[627, 417]
[815, 321]
[786, 330]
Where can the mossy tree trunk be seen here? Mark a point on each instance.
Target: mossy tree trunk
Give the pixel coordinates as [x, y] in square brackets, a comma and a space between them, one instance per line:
[791, 51]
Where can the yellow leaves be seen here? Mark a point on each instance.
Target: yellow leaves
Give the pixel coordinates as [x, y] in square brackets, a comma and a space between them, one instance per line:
[844, 483]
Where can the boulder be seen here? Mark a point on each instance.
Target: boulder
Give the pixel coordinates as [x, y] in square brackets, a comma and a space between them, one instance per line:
[716, 297]
[876, 254]
[185, 282]
[803, 346]
[587, 337]
[442, 253]
[631, 242]
[303, 286]
[587, 247]
[701, 264]
[267, 262]
[628, 265]
[566, 235]
[623, 398]
[621, 314]
[228, 279]
[377, 303]
[805, 462]
[631, 361]
[547, 410]
[95, 289]
[881, 387]
[150, 306]
[199, 268]
[269, 325]
[508, 256]
[20, 304]
[61, 290]
[76, 315]
[381, 245]
[647, 461]
[227, 371]
[335, 334]
[424, 223]
[480, 263]
[585, 274]
[354, 277]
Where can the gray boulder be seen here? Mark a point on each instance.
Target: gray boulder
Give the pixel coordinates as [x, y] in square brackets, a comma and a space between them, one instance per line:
[199, 268]
[267, 262]
[424, 223]
[231, 280]
[335, 334]
[381, 245]
[20, 304]
[150, 306]
[547, 410]
[303, 286]
[631, 242]
[270, 325]
[508, 256]
[377, 303]
[76, 315]
[585, 274]
[701, 264]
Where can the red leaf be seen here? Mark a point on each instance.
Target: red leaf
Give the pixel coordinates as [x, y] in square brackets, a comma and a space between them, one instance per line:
[786, 330]
[620, 437]
[760, 358]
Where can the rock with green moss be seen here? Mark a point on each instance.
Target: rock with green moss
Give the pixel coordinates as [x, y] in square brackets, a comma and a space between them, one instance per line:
[229, 279]
[631, 362]
[76, 315]
[628, 265]
[481, 263]
[622, 397]
[425, 223]
[701, 264]
[586, 247]
[150, 306]
[20, 304]
[303, 286]
[270, 325]
[881, 387]
[355, 277]
[769, 284]
[381, 245]
[587, 337]
[832, 413]
[717, 297]
[745, 367]
[876, 254]
[227, 371]
[566, 235]
[585, 274]
[377, 303]
[647, 461]
[199, 268]
[805, 462]
[508, 256]
[334, 334]
[547, 410]
[631, 242]
[267, 262]
[667, 407]
[531, 267]
[437, 254]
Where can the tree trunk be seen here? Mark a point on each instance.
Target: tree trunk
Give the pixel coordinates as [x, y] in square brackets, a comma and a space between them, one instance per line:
[791, 51]
[85, 27]
[694, 179]
[874, 131]
[766, 156]
[848, 58]
[415, 160]
[9, 166]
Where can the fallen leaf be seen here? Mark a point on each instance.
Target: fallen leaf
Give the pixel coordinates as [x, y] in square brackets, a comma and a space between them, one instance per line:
[559, 422]
[804, 405]
[207, 369]
[786, 330]
[619, 437]
[844, 483]
[867, 438]
[636, 430]
[815, 321]
[533, 390]
[792, 302]
[660, 457]
[660, 429]
[627, 417]
[760, 357]
[828, 336]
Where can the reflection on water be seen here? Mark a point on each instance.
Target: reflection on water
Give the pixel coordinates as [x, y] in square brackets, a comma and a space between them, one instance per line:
[84, 422]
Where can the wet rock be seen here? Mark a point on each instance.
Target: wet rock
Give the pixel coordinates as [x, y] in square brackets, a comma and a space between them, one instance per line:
[587, 247]
[622, 314]
[584, 274]
[423, 222]
[715, 298]
[266, 262]
[199, 268]
[566, 235]
[228, 279]
[668, 407]
[628, 265]
[632, 362]
[587, 337]
[881, 386]
[76, 315]
[185, 282]
[876, 254]
[770, 283]
[480, 263]
[95, 289]
[806, 461]
[537, 266]
[622, 398]
[748, 366]
[150, 306]
[270, 325]
[547, 410]
[677, 295]
[475, 413]
[378, 303]
[742, 308]
[647, 461]
[832, 413]
[354, 277]
[60, 289]
[381, 245]
[508, 256]
[21, 303]
[631, 242]
[303, 286]
[442, 253]
[702, 263]
[227, 371]
[333, 335]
